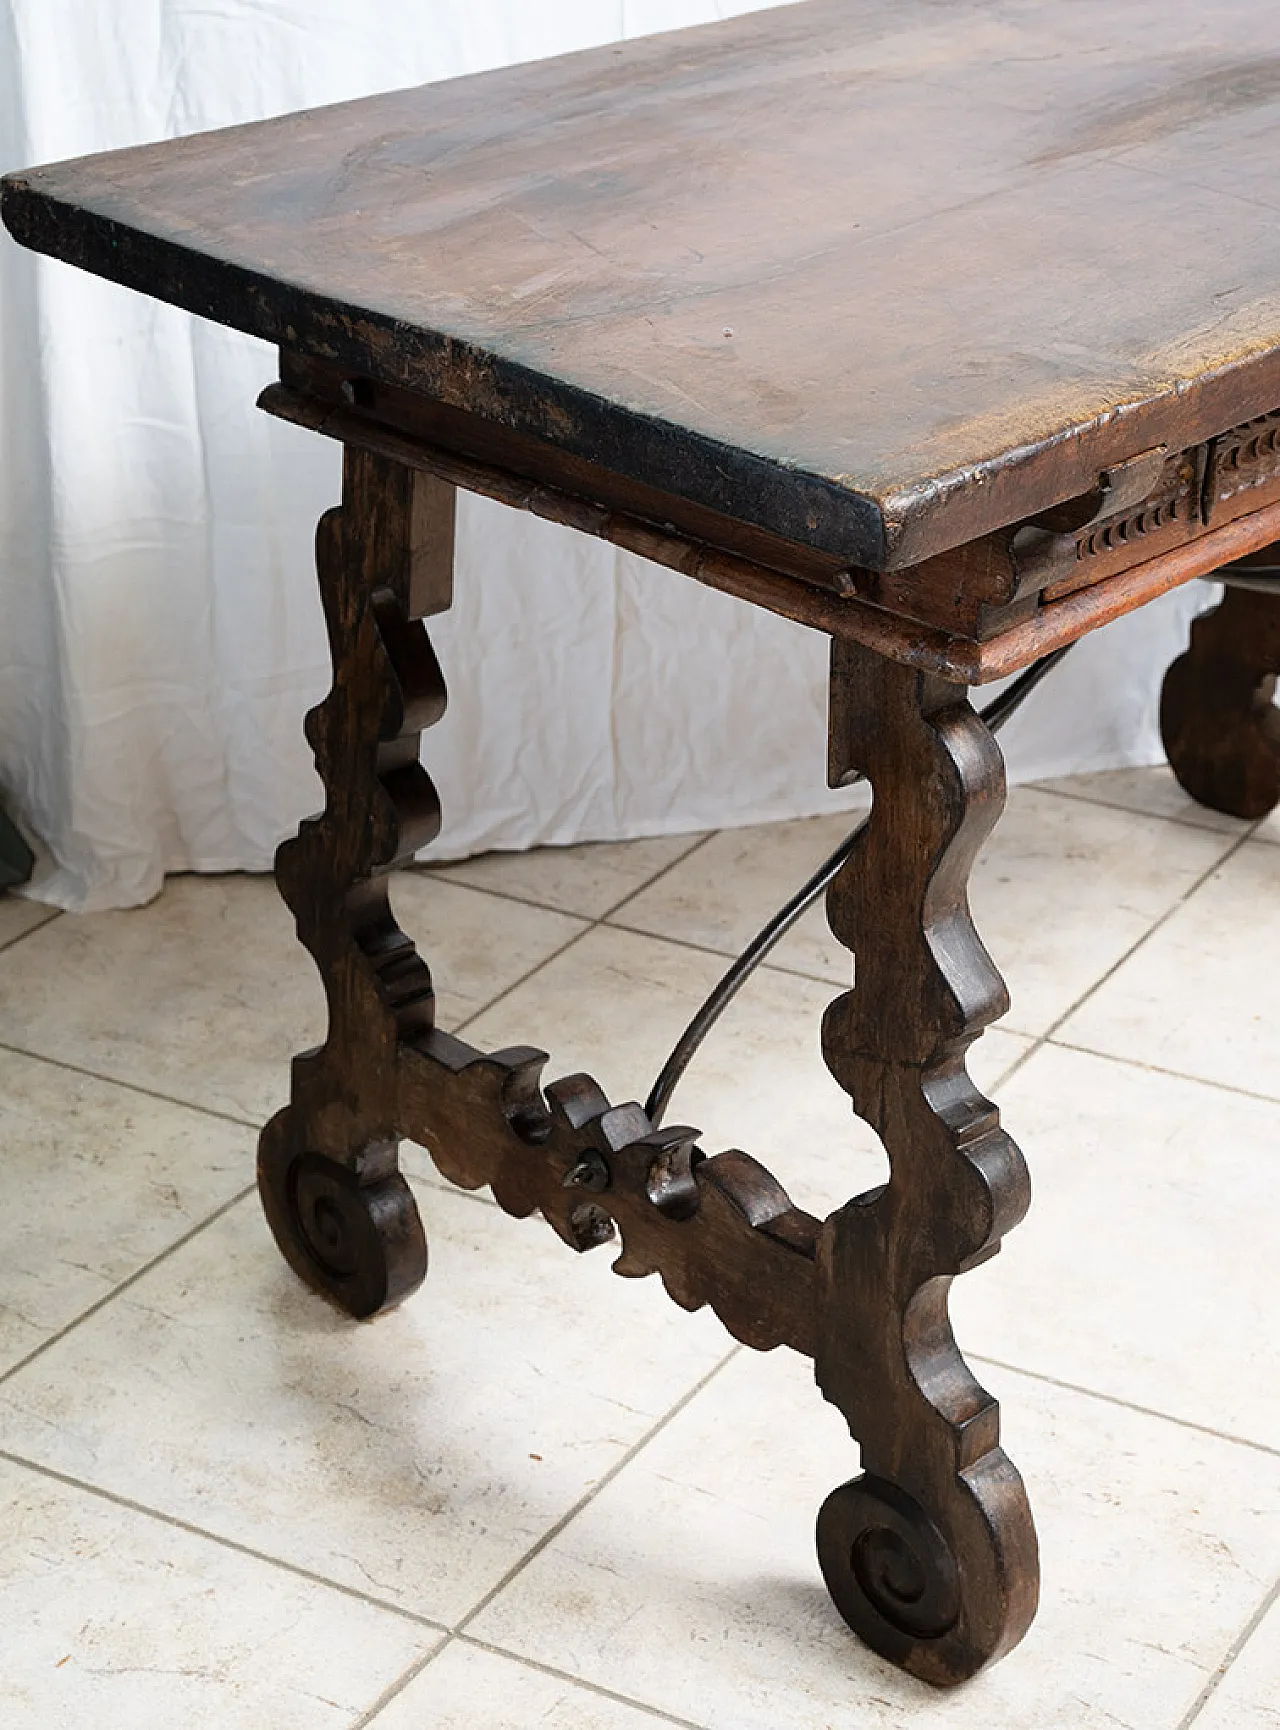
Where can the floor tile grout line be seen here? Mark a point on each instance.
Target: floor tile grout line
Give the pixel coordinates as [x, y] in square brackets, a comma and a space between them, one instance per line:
[51, 915]
[1038, 1041]
[1233, 1651]
[664, 871]
[500, 996]
[398, 1684]
[426, 871]
[607, 918]
[427, 868]
[1047, 1036]
[1232, 845]
[1004, 1074]
[606, 1478]
[589, 926]
[1160, 1069]
[131, 1280]
[1127, 810]
[255, 1124]
[1047, 1039]
[975, 1356]
[727, 955]
[436, 1181]
[1128, 1063]
[100, 1493]
[430, 874]
[1156, 925]
[645, 1706]
[548, 1537]
[1020, 1062]
[458, 1632]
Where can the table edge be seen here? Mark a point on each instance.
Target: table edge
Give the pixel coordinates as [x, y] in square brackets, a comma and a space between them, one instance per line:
[961, 660]
[930, 518]
[798, 505]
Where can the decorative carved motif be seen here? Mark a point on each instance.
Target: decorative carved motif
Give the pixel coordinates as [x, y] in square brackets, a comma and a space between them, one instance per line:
[327, 1164]
[987, 588]
[1155, 513]
[1193, 486]
[1240, 462]
[931, 1555]
[1220, 728]
[719, 1231]
[1198, 489]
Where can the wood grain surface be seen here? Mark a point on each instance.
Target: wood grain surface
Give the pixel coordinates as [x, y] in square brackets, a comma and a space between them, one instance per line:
[878, 276]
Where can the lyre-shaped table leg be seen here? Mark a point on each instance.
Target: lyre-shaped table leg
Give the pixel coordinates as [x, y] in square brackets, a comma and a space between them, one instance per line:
[328, 1163]
[1220, 728]
[931, 1554]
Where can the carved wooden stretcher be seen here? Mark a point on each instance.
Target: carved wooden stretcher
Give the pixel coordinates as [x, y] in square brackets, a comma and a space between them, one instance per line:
[813, 307]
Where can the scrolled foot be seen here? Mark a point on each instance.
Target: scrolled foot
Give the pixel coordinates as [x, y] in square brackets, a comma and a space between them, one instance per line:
[931, 1555]
[356, 1239]
[939, 1604]
[887, 1567]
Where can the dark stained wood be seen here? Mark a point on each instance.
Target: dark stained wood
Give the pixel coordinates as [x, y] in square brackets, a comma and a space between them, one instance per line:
[960, 659]
[539, 463]
[1154, 504]
[964, 268]
[718, 1231]
[1057, 623]
[909, 321]
[931, 1554]
[1221, 729]
[327, 1164]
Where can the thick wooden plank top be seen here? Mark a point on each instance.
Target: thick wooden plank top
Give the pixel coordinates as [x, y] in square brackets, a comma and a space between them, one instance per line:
[878, 275]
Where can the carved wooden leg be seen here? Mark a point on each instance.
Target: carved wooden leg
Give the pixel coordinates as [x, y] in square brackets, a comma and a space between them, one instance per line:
[327, 1164]
[931, 1554]
[1220, 729]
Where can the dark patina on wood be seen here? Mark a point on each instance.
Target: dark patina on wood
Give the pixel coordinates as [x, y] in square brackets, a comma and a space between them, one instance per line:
[939, 1506]
[327, 1164]
[1218, 720]
[844, 617]
[929, 1553]
[878, 277]
[874, 315]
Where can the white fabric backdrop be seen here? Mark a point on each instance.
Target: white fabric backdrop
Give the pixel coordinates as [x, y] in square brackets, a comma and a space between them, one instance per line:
[162, 635]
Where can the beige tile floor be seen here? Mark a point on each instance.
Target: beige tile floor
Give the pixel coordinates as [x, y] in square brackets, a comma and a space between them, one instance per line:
[539, 1495]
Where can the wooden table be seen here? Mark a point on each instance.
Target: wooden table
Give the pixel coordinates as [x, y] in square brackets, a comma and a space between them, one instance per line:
[951, 331]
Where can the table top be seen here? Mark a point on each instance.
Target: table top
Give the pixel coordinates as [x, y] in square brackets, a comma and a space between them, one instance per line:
[876, 275]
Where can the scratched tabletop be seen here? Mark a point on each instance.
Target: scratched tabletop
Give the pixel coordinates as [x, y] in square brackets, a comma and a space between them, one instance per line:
[876, 275]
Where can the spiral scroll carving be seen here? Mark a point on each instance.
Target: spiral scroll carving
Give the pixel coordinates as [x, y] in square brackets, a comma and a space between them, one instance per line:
[327, 1164]
[932, 1555]
[718, 1231]
[886, 1564]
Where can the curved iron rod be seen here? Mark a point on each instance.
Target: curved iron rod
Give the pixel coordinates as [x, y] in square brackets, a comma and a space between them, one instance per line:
[996, 713]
